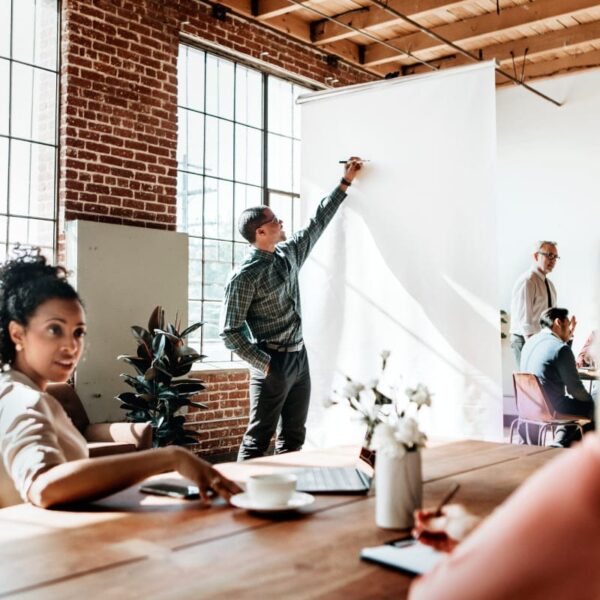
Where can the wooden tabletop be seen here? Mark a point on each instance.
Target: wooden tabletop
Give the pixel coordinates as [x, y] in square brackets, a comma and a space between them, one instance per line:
[131, 545]
[588, 374]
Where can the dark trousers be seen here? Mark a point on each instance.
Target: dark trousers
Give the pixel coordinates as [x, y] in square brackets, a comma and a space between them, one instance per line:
[278, 402]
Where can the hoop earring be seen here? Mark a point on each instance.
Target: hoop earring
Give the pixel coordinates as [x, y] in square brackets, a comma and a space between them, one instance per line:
[18, 347]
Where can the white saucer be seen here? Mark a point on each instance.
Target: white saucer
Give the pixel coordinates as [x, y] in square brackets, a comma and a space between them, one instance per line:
[298, 500]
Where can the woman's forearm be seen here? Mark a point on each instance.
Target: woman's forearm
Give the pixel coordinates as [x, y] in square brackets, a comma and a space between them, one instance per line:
[91, 478]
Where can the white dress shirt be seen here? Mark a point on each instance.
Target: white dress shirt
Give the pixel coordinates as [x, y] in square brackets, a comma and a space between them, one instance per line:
[35, 432]
[529, 301]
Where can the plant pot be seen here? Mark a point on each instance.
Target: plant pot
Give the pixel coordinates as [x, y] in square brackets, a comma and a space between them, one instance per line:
[398, 489]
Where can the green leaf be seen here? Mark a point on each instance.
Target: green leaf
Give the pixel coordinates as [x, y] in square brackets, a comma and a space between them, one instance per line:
[191, 329]
[157, 319]
[197, 404]
[142, 335]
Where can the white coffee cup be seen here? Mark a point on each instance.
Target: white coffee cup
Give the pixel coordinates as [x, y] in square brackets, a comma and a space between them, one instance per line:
[274, 489]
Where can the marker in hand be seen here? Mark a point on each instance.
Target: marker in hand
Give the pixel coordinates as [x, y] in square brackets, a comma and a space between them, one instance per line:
[343, 162]
[451, 493]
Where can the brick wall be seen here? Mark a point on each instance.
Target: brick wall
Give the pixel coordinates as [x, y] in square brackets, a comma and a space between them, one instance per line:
[118, 132]
[222, 425]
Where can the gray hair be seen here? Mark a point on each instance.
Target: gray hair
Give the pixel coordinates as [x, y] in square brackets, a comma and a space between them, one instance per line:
[542, 243]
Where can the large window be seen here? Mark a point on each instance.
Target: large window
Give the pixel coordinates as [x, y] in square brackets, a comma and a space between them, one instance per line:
[29, 31]
[238, 146]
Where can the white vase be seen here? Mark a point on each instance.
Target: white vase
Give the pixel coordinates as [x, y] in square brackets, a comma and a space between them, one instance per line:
[398, 489]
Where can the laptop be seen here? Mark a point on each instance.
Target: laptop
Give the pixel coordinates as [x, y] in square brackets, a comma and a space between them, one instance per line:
[336, 480]
[332, 480]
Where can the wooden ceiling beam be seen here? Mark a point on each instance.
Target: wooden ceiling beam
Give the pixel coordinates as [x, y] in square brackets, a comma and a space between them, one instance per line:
[534, 45]
[267, 9]
[559, 66]
[479, 27]
[372, 18]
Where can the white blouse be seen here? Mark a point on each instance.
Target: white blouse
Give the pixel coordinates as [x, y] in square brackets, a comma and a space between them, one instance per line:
[35, 432]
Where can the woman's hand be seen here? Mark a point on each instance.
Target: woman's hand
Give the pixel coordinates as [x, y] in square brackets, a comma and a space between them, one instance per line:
[444, 531]
[204, 475]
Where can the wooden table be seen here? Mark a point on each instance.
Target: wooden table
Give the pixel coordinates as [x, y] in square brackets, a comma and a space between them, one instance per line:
[131, 545]
[590, 375]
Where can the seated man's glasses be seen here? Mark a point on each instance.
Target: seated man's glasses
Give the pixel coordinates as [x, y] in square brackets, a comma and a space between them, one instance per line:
[549, 255]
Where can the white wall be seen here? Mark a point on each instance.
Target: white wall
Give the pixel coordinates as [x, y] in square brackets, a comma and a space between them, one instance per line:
[121, 273]
[548, 188]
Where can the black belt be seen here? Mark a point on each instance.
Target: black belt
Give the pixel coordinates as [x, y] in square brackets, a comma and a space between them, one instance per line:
[282, 347]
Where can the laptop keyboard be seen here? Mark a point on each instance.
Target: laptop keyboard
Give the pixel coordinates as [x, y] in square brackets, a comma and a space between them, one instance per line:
[331, 479]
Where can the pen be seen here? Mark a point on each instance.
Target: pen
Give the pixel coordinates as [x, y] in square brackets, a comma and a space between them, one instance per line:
[451, 492]
[343, 162]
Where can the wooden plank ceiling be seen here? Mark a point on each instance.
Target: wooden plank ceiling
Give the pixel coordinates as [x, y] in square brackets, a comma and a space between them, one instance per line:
[530, 39]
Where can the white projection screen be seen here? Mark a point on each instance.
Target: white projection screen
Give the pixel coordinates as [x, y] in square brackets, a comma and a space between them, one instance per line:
[409, 263]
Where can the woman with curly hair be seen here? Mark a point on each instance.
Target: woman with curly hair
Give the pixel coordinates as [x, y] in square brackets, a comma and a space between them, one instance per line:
[44, 458]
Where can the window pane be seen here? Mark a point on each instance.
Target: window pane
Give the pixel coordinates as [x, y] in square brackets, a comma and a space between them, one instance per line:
[35, 32]
[190, 71]
[296, 166]
[195, 316]
[245, 197]
[3, 175]
[32, 231]
[280, 106]
[33, 104]
[282, 206]
[248, 155]
[218, 209]
[239, 253]
[4, 28]
[190, 141]
[31, 179]
[248, 96]
[195, 269]
[189, 203]
[4, 88]
[297, 111]
[213, 346]
[217, 266]
[219, 83]
[219, 148]
[3, 238]
[280, 163]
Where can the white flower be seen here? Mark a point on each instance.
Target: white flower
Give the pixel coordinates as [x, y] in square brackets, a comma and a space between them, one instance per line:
[408, 433]
[351, 389]
[384, 441]
[385, 354]
[420, 395]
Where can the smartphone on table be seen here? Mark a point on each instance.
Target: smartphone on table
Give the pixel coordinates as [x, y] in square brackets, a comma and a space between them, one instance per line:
[173, 490]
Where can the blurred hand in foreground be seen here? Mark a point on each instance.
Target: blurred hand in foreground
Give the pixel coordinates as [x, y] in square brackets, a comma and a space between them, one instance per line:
[446, 530]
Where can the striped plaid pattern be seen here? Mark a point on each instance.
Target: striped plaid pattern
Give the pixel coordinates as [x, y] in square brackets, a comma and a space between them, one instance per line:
[262, 298]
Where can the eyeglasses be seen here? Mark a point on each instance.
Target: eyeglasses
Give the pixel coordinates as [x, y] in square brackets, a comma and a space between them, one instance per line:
[549, 255]
[269, 221]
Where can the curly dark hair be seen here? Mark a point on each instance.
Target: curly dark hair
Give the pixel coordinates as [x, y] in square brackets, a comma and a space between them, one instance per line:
[26, 282]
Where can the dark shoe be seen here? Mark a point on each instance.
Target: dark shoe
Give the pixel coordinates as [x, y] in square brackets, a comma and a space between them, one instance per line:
[565, 436]
[534, 432]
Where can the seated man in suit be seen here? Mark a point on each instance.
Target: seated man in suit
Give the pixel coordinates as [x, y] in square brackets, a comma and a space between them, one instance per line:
[548, 355]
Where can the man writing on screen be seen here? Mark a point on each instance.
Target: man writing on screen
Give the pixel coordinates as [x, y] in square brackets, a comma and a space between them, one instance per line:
[261, 321]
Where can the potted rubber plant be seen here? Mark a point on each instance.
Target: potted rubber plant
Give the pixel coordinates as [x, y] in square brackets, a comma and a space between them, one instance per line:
[160, 391]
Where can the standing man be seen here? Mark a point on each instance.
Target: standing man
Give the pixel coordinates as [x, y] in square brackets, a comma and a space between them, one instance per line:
[548, 355]
[532, 294]
[261, 321]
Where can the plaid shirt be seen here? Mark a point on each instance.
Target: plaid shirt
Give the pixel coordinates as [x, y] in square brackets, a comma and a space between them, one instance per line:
[262, 297]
